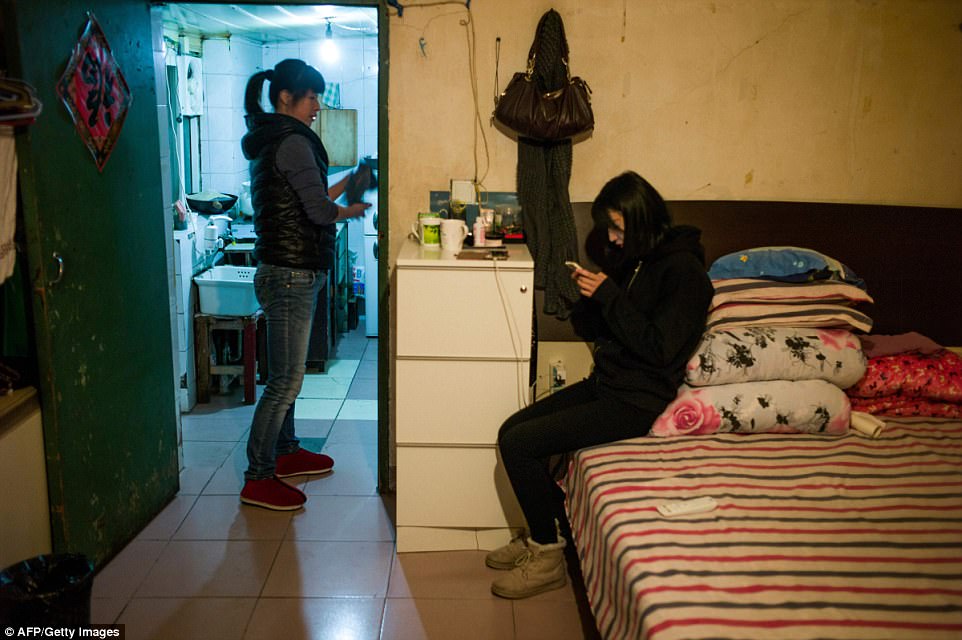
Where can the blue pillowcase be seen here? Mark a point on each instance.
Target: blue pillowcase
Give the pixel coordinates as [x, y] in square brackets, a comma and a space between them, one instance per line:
[790, 264]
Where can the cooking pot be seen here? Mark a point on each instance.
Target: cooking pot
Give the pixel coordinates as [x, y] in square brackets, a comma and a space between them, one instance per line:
[211, 202]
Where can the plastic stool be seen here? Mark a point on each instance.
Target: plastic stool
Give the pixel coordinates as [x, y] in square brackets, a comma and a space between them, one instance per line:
[204, 324]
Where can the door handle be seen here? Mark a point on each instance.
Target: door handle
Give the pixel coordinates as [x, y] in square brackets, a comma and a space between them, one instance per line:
[59, 259]
[375, 251]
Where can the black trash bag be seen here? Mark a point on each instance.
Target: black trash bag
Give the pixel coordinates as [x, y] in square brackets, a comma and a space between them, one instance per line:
[47, 590]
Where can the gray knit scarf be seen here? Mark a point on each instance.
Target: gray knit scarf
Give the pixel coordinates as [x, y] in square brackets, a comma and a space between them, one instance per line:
[544, 170]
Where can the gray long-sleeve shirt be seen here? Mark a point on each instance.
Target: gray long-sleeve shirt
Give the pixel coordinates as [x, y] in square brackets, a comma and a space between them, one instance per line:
[295, 159]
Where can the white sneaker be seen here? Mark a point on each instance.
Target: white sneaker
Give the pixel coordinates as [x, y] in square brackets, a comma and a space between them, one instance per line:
[540, 568]
[505, 557]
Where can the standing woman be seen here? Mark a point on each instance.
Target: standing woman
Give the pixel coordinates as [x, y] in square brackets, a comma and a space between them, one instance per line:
[645, 313]
[294, 216]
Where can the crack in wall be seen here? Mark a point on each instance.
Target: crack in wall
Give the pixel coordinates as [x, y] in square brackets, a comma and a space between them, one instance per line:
[759, 40]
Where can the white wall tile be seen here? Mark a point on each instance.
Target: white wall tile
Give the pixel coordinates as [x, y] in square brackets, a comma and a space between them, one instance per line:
[218, 89]
[217, 56]
[221, 155]
[352, 94]
[221, 123]
[369, 105]
[241, 167]
[238, 125]
[223, 182]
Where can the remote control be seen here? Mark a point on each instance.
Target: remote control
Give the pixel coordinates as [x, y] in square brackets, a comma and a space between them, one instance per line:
[683, 507]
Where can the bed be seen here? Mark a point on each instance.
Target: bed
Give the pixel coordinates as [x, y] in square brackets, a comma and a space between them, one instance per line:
[816, 535]
[843, 537]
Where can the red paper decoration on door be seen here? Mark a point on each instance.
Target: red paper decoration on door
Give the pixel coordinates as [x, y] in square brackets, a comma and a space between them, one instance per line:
[95, 92]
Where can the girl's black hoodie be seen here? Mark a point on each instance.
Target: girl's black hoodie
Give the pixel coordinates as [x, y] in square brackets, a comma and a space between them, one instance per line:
[647, 322]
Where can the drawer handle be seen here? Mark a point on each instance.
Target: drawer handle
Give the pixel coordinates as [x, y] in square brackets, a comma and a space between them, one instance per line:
[524, 288]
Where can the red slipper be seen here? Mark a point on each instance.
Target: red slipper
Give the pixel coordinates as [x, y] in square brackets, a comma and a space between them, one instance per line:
[272, 493]
[303, 463]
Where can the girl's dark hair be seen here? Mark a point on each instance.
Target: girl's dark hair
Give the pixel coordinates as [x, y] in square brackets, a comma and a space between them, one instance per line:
[292, 75]
[644, 211]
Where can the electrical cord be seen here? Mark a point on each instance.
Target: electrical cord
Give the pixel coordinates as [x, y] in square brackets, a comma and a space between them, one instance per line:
[515, 335]
[478, 123]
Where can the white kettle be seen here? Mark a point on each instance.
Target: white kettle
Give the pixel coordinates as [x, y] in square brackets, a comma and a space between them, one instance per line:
[222, 223]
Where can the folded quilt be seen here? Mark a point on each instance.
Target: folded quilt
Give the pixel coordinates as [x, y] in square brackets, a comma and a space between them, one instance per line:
[932, 376]
[783, 406]
[752, 354]
[875, 345]
[801, 314]
[763, 290]
[908, 406]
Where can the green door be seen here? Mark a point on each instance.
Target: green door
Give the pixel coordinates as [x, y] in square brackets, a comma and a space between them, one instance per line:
[103, 325]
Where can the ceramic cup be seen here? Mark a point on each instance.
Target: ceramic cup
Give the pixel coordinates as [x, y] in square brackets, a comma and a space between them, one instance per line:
[428, 232]
[453, 233]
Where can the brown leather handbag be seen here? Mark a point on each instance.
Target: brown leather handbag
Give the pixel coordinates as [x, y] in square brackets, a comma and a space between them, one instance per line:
[545, 115]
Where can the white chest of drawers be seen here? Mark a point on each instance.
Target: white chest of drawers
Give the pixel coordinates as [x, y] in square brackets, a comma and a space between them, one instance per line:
[463, 353]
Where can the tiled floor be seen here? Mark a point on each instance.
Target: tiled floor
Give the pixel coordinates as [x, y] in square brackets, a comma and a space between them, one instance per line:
[208, 567]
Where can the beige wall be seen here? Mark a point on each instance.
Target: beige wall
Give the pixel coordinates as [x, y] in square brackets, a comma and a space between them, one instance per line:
[804, 100]
[810, 100]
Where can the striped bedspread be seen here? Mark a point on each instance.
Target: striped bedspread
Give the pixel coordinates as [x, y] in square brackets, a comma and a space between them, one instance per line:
[813, 537]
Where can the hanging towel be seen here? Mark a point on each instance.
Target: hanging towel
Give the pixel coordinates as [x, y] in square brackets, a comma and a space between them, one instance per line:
[544, 170]
[8, 202]
[332, 95]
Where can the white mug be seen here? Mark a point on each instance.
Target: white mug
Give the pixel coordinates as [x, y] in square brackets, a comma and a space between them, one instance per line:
[453, 233]
[427, 231]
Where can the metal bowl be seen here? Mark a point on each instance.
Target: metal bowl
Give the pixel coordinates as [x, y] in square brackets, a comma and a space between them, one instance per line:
[211, 203]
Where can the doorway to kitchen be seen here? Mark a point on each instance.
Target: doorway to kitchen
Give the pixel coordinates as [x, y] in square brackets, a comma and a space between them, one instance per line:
[210, 50]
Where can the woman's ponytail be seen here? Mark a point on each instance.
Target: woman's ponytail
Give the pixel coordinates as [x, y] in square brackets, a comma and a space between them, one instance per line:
[252, 94]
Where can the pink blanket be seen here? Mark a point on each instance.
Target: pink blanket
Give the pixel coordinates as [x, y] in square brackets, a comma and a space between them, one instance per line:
[911, 384]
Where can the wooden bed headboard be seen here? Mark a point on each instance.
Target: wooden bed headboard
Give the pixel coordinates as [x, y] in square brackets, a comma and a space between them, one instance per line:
[909, 257]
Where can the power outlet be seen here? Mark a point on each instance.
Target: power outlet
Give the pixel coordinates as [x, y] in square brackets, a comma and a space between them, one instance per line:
[559, 377]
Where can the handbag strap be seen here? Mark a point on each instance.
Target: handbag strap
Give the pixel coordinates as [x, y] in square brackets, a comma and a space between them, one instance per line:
[497, 65]
[535, 45]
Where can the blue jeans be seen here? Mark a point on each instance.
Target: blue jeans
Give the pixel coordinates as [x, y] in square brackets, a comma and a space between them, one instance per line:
[287, 297]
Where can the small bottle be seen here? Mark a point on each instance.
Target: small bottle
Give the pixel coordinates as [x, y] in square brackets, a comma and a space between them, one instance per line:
[479, 231]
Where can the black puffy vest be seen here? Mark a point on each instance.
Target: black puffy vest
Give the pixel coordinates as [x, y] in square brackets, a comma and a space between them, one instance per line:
[286, 237]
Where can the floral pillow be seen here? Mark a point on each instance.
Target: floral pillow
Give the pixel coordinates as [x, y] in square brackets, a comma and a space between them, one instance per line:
[751, 354]
[782, 406]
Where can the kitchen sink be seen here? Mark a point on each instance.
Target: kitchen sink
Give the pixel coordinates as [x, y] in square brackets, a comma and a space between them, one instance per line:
[227, 291]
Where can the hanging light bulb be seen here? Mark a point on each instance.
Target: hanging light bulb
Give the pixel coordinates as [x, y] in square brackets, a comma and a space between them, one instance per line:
[329, 51]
